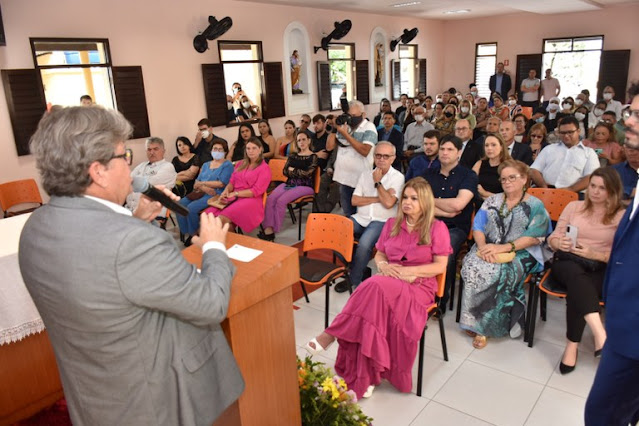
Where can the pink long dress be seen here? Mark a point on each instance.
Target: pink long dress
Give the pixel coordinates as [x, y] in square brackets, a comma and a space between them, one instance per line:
[247, 212]
[379, 328]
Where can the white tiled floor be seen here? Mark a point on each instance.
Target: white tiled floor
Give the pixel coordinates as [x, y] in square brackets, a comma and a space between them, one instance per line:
[506, 383]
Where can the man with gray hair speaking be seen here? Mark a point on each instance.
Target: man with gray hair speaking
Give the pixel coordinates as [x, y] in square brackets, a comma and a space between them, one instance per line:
[135, 328]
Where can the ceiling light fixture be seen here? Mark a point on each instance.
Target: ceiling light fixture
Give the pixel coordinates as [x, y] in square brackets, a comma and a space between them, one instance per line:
[410, 3]
[450, 12]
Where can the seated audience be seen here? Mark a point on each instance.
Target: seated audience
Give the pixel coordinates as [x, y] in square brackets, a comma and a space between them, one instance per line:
[428, 159]
[537, 139]
[611, 103]
[231, 116]
[513, 107]
[214, 176]
[552, 118]
[494, 301]
[628, 169]
[286, 143]
[305, 121]
[566, 164]
[389, 133]
[414, 135]
[581, 267]
[580, 100]
[428, 108]
[596, 114]
[204, 139]
[466, 113]
[446, 123]
[454, 187]
[247, 110]
[403, 99]
[384, 107]
[245, 131]
[521, 126]
[516, 150]
[300, 172]
[603, 141]
[244, 193]
[488, 179]
[157, 170]
[620, 126]
[587, 102]
[471, 152]
[482, 114]
[186, 164]
[499, 110]
[406, 117]
[379, 328]
[375, 197]
[318, 141]
[266, 137]
[581, 114]
[438, 112]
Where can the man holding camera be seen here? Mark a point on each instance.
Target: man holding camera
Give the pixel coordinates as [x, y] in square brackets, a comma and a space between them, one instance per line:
[356, 136]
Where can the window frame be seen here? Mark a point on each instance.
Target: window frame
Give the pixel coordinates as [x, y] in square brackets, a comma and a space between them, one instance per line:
[572, 41]
[352, 63]
[477, 55]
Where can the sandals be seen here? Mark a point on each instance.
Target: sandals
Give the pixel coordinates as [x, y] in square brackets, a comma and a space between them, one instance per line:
[479, 342]
[470, 333]
[318, 348]
[369, 392]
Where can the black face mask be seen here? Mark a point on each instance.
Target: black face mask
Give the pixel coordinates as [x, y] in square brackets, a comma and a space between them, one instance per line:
[448, 114]
[356, 120]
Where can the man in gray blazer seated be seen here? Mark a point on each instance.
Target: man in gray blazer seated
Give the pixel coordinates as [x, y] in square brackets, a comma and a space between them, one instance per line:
[134, 327]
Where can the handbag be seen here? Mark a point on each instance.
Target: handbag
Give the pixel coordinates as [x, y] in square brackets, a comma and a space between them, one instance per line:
[195, 195]
[503, 257]
[218, 203]
[588, 264]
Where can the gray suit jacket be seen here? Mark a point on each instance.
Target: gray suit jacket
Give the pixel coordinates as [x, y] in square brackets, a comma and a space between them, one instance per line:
[134, 327]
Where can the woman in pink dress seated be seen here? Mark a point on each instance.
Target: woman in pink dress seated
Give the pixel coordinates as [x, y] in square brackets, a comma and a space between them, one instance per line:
[379, 328]
[245, 190]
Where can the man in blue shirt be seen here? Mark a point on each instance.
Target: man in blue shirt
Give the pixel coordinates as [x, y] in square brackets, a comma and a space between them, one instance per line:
[428, 159]
[628, 171]
[454, 186]
[390, 133]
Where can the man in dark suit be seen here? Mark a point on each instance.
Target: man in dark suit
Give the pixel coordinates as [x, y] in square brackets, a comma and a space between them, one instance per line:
[500, 83]
[390, 133]
[135, 328]
[518, 151]
[471, 152]
[614, 397]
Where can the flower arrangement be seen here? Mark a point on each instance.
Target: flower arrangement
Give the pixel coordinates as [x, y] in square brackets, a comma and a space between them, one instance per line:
[325, 398]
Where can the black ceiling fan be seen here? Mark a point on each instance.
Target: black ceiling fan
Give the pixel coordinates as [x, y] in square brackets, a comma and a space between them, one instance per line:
[214, 30]
[341, 29]
[405, 38]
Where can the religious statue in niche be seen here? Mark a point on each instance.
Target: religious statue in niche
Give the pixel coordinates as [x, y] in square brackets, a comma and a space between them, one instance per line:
[379, 64]
[296, 68]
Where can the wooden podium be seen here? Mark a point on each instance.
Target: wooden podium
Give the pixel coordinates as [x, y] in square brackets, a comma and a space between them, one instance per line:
[260, 329]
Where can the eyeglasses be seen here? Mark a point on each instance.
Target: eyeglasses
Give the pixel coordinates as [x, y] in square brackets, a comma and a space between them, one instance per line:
[606, 120]
[305, 122]
[383, 156]
[510, 178]
[567, 132]
[631, 113]
[462, 128]
[536, 136]
[127, 156]
[217, 149]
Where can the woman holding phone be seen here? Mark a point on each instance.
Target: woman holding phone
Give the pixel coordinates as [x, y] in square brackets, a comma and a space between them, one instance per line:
[582, 242]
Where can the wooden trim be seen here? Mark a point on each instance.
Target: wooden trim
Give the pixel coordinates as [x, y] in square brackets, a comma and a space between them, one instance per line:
[215, 93]
[423, 74]
[273, 90]
[324, 85]
[362, 85]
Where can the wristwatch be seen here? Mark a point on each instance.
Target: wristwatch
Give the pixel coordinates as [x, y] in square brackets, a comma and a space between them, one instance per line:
[378, 184]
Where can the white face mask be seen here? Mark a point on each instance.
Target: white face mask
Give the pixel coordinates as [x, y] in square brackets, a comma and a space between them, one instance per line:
[607, 96]
[205, 134]
[578, 102]
[474, 93]
[438, 99]
[512, 102]
[419, 118]
[580, 116]
[598, 112]
[465, 110]
[246, 104]
[459, 98]
[566, 106]
[236, 89]
[553, 107]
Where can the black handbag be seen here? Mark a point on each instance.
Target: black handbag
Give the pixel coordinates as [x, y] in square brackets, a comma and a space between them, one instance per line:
[588, 264]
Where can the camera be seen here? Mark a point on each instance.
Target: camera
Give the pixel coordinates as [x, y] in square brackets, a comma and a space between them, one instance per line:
[343, 119]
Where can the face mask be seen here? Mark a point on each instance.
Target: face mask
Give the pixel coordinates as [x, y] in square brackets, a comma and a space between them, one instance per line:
[553, 107]
[246, 104]
[540, 120]
[356, 120]
[519, 138]
[580, 116]
[607, 96]
[205, 134]
[419, 118]
[578, 102]
[512, 102]
[566, 106]
[217, 155]
[474, 93]
[465, 110]
[598, 112]
[459, 97]
[236, 89]
[448, 114]
[438, 99]
[229, 105]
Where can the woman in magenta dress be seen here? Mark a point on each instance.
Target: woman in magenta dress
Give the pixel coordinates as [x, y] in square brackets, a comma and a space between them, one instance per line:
[245, 190]
[379, 328]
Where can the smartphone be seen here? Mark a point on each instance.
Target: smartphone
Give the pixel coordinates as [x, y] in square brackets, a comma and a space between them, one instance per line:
[571, 232]
[598, 151]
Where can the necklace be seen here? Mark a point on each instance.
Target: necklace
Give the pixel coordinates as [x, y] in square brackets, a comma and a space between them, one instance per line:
[408, 223]
[504, 211]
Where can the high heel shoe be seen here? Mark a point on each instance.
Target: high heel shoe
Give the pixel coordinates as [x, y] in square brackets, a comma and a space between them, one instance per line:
[318, 348]
[369, 392]
[266, 237]
[565, 369]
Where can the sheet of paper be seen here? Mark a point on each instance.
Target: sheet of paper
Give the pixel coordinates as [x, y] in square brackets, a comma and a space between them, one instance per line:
[243, 254]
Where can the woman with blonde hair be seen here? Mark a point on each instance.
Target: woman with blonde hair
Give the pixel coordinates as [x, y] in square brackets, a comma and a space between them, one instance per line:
[379, 328]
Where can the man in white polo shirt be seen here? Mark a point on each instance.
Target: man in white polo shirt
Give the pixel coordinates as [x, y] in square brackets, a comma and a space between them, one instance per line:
[530, 88]
[566, 164]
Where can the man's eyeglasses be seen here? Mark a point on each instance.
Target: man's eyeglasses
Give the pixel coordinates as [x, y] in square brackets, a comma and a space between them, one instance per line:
[383, 156]
[510, 178]
[127, 156]
[462, 128]
[631, 113]
[305, 122]
[567, 132]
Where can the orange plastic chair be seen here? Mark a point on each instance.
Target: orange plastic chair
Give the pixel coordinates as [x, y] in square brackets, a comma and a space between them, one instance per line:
[433, 310]
[527, 111]
[277, 171]
[554, 199]
[326, 231]
[300, 202]
[23, 191]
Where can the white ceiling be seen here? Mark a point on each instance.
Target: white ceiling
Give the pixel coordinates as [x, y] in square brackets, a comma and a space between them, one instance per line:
[434, 9]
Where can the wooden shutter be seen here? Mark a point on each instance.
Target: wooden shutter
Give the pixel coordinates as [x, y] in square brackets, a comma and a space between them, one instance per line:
[214, 93]
[613, 71]
[422, 76]
[526, 63]
[274, 90]
[362, 82]
[396, 79]
[128, 85]
[324, 85]
[26, 103]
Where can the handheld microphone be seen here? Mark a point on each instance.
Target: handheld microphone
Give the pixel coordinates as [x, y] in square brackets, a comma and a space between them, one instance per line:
[142, 185]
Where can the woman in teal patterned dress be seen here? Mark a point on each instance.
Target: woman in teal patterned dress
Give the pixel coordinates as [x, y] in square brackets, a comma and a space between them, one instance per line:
[507, 225]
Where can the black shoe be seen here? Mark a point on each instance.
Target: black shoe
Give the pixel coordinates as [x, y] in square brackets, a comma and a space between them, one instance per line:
[598, 353]
[266, 237]
[188, 242]
[341, 287]
[565, 369]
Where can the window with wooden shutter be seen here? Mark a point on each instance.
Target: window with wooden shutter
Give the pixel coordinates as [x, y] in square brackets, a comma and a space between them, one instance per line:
[26, 104]
[396, 79]
[422, 75]
[214, 94]
[362, 83]
[274, 96]
[613, 71]
[128, 85]
[324, 85]
[485, 64]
